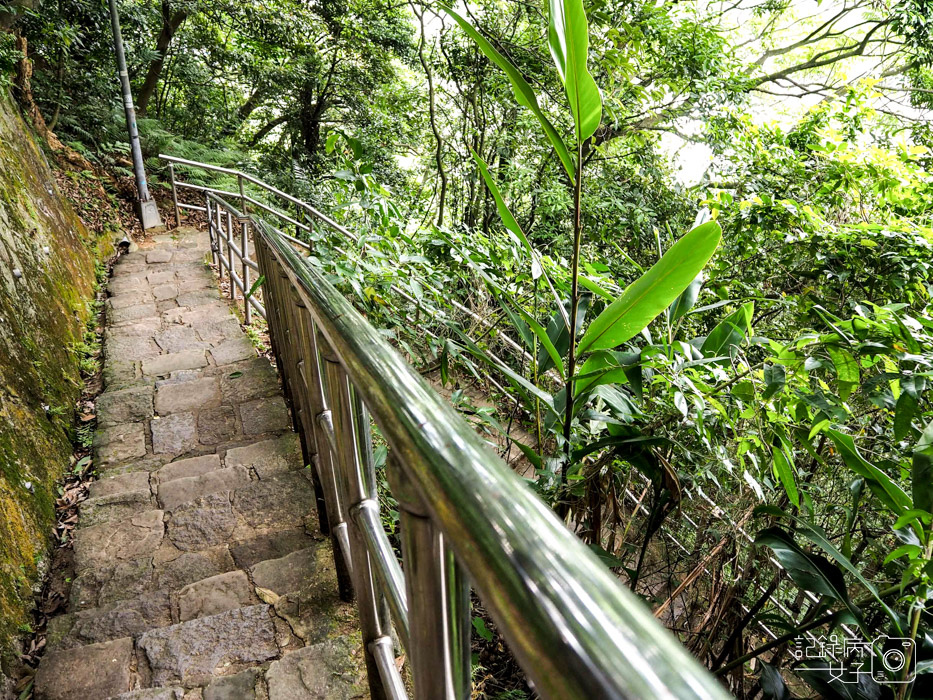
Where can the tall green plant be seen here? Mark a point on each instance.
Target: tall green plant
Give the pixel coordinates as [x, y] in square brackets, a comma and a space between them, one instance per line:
[648, 296]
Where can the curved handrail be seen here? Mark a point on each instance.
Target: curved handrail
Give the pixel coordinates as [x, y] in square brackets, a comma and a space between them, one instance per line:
[575, 630]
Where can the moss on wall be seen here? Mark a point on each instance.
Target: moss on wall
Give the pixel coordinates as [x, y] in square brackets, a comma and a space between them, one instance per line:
[47, 272]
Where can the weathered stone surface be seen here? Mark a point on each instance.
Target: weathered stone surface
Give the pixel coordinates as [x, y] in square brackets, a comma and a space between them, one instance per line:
[166, 364]
[156, 278]
[178, 491]
[124, 405]
[183, 468]
[129, 618]
[203, 523]
[330, 670]
[160, 255]
[306, 568]
[214, 595]
[142, 464]
[174, 434]
[176, 397]
[162, 292]
[93, 671]
[217, 332]
[164, 305]
[268, 457]
[175, 339]
[129, 314]
[216, 425]
[134, 481]
[140, 329]
[253, 379]
[262, 504]
[269, 546]
[120, 443]
[234, 350]
[172, 553]
[153, 694]
[264, 416]
[192, 651]
[136, 537]
[137, 347]
[123, 301]
[113, 507]
[119, 374]
[198, 297]
[242, 686]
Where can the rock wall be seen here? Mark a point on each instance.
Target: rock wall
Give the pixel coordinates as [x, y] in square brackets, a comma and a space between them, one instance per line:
[47, 274]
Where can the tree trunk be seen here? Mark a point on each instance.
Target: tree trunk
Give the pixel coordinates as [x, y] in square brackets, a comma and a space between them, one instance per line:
[170, 24]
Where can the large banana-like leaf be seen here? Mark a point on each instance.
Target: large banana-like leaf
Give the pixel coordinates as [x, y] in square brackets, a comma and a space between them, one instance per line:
[524, 95]
[809, 571]
[569, 42]
[887, 491]
[654, 291]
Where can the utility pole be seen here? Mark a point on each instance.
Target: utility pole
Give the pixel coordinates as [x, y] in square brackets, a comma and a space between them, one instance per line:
[146, 208]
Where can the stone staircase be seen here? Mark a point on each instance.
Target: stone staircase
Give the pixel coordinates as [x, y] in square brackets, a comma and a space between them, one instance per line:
[199, 569]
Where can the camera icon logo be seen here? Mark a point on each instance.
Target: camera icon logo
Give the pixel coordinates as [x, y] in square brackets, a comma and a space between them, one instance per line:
[891, 658]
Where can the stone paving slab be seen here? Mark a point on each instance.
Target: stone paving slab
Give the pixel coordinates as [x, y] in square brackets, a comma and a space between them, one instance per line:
[197, 559]
[93, 671]
[192, 652]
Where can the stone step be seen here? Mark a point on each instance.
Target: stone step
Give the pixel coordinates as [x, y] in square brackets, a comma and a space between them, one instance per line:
[169, 570]
[196, 578]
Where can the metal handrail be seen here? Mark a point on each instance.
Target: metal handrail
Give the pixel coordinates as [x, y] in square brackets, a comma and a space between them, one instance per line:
[575, 630]
[465, 515]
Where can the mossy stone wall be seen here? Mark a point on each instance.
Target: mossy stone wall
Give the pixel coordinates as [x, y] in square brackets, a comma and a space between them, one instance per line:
[47, 273]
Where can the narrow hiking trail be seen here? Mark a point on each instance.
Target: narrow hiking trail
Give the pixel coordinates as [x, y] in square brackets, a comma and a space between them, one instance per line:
[200, 572]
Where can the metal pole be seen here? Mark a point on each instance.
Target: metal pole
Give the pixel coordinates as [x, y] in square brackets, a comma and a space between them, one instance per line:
[244, 242]
[146, 208]
[171, 172]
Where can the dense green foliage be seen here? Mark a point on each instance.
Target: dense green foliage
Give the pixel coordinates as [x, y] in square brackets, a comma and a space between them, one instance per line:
[722, 404]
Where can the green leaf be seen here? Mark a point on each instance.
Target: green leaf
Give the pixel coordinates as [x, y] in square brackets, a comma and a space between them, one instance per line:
[772, 684]
[568, 40]
[558, 334]
[784, 471]
[904, 413]
[818, 536]
[687, 300]
[775, 378]
[524, 95]
[603, 367]
[520, 326]
[256, 285]
[809, 571]
[610, 560]
[889, 493]
[911, 550]
[921, 477]
[481, 629]
[654, 291]
[730, 332]
[507, 219]
[545, 341]
[847, 372]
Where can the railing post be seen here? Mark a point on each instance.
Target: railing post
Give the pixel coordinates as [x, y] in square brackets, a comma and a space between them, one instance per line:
[306, 394]
[171, 172]
[438, 599]
[357, 479]
[210, 226]
[239, 178]
[247, 313]
[230, 254]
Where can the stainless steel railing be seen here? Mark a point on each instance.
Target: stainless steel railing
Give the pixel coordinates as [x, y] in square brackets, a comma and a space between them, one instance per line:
[466, 518]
